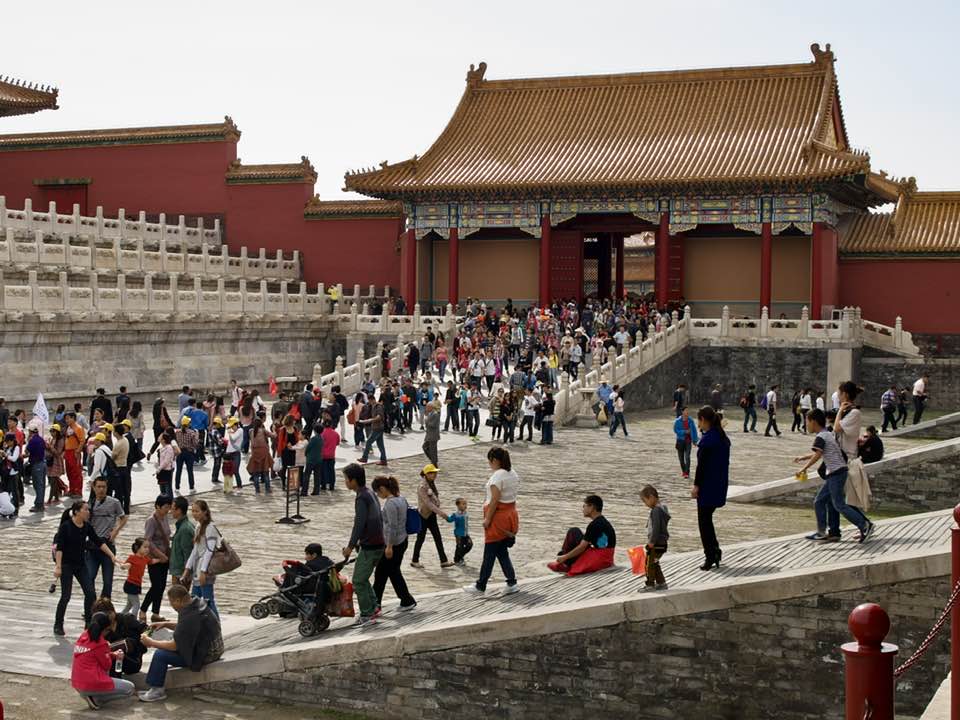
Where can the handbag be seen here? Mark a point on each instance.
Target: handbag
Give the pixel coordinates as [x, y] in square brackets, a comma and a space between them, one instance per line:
[277, 464]
[602, 416]
[225, 558]
[490, 422]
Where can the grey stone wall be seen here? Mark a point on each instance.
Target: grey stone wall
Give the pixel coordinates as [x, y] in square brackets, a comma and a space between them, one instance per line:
[735, 368]
[68, 360]
[758, 661]
[876, 373]
[654, 389]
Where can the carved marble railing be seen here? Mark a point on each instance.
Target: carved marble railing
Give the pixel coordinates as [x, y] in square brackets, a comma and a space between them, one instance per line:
[132, 255]
[848, 328]
[169, 294]
[101, 228]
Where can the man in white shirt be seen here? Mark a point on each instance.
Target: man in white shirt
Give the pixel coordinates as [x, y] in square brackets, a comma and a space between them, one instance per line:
[772, 411]
[529, 413]
[919, 397]
[835, 400]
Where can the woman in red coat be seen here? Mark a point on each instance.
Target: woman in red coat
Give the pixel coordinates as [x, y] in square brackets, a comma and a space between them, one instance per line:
[92, 658]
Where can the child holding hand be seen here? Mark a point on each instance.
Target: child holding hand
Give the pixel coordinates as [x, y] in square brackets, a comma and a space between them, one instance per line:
[461, 531]
[136, 563]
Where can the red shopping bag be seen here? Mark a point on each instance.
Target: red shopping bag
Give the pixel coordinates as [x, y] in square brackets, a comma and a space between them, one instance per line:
[341, 604]
[638, 559]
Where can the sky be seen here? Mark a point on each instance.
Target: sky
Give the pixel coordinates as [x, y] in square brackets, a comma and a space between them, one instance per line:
[350, 84]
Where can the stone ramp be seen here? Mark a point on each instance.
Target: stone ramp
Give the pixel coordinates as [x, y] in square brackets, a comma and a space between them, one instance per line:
[903, 549]
[945, 426]
[751, 572]
[946, 451]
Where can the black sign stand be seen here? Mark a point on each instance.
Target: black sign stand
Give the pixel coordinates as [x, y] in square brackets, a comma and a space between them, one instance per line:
[292, 479]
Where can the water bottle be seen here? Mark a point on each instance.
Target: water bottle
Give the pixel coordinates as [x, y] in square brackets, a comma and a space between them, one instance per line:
[118, 662]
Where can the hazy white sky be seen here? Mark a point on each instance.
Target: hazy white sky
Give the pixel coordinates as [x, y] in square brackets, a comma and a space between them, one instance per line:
[353, 83]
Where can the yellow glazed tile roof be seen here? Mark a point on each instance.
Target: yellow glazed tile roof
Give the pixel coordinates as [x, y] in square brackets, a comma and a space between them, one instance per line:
[210, 132]
[925, 222]
[318, 208]
[303, 171]
[20, 98]
[753, 125]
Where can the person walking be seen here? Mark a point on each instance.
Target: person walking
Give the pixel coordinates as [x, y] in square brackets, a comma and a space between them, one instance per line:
[548, 408]
[750, 409]
[206, 540]
[367, 538]
[500, 522]
[260, 462]
[70, 543]
[920, 397]
[618, 418]
[903, 397]
[390, 567]
[55, 467]
[37, 457]
[710, 482]
[772, 411]
[166, 459]
[188, 440]
[232, 453]
[375, 435]
[121, 485]
[431, 438]
[428, 504]
[74, 441]
[806, 405]
[685, 431]
[156, 531]
[313, 465]
[161, 421]
[108, 519]
[888, 406]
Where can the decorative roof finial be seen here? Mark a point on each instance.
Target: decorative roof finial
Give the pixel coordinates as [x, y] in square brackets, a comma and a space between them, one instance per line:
[821, 57]
[475, 76]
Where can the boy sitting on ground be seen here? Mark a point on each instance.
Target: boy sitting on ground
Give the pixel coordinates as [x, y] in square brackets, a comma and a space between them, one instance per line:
[589, 551]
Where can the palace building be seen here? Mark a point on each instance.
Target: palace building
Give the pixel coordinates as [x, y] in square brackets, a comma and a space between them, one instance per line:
[732, 187]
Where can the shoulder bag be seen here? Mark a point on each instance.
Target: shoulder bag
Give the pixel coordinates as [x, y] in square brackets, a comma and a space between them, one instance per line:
[225, 558]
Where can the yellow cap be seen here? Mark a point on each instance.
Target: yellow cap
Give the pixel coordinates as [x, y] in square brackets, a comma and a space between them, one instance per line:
[232, 421]
[56, 426]
[126, 423]
[101, 437]
[218, 420]
[108, 427]
[184, 421]
[429, 468]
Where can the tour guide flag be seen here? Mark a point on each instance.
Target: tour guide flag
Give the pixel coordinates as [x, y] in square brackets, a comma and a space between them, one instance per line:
[40, 409]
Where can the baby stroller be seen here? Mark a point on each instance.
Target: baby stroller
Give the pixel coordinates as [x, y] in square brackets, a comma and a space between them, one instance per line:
[313, 596]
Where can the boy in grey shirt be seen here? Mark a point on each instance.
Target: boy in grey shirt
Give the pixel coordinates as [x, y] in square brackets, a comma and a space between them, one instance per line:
[657, 537]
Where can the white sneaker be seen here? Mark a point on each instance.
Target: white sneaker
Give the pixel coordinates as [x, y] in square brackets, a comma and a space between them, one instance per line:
[154, 694]
[473, 590]
[511, 589]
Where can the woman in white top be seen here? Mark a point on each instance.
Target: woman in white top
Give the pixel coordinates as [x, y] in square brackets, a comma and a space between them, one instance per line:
[500, 522]
[848, 423]
[205, 542]
[806, 405]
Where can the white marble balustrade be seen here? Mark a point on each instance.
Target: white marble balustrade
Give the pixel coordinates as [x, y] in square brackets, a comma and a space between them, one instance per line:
[130, 255]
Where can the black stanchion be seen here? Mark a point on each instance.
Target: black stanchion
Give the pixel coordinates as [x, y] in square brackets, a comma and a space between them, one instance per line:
[292, 480]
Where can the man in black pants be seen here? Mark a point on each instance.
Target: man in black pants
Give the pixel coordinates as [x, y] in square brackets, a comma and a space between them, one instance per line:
[750, 409]
[772, 411]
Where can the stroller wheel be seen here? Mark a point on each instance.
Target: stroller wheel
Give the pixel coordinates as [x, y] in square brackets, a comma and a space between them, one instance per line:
[273, 606]
[323, 622]
[258, 611]
[307, 628]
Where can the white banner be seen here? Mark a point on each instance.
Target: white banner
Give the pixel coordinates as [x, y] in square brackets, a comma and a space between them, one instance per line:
[40, 410]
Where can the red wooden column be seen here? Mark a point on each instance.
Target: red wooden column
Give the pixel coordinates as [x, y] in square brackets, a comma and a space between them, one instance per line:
[545, 298]
[662, 267]
[816, 271]
[410, 270]
[766, 266]
[620, 289]
[453, 284]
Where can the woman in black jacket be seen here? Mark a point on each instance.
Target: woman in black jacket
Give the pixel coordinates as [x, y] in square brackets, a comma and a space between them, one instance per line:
[710, 481]
[125, 628]
[161, 421]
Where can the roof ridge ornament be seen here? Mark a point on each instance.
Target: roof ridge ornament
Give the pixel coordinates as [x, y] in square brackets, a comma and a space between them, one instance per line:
[822, 57]
[475, 76]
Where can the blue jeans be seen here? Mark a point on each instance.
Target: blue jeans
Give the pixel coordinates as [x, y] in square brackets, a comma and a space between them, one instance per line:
[831, 503]
[750, 416]
[375, 436]
[97, 560]
[305, 478]
[38, 473]
[162, 659]
[206, 592]
[121, 689]
[618, 421]
[257, 478]
[186, 457]
[496, 551]
[546, 432]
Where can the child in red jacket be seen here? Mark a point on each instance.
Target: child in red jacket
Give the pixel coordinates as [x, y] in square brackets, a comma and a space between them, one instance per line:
[92, 657]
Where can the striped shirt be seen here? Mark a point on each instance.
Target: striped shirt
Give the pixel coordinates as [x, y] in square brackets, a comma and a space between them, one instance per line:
[888, 400]
[826, 443]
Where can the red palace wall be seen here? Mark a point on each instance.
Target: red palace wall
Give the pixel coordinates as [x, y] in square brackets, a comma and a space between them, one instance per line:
[356, 251]
[189, 179]
[181, 178]
[925, 293]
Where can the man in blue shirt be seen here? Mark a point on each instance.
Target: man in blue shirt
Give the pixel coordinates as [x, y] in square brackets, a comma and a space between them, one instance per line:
[200, 422]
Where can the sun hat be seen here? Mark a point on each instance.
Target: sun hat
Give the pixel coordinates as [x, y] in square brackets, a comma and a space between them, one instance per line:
[429, 468]
[100, 436]
[184, 421]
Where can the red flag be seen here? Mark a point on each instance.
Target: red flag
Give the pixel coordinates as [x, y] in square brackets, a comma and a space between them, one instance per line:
[273, 386]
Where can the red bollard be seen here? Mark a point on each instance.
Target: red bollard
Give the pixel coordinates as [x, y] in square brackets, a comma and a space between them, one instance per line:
[955, 622]
[869, 665]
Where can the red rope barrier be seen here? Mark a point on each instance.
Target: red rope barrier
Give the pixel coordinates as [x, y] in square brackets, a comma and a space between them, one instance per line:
[931, 636]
